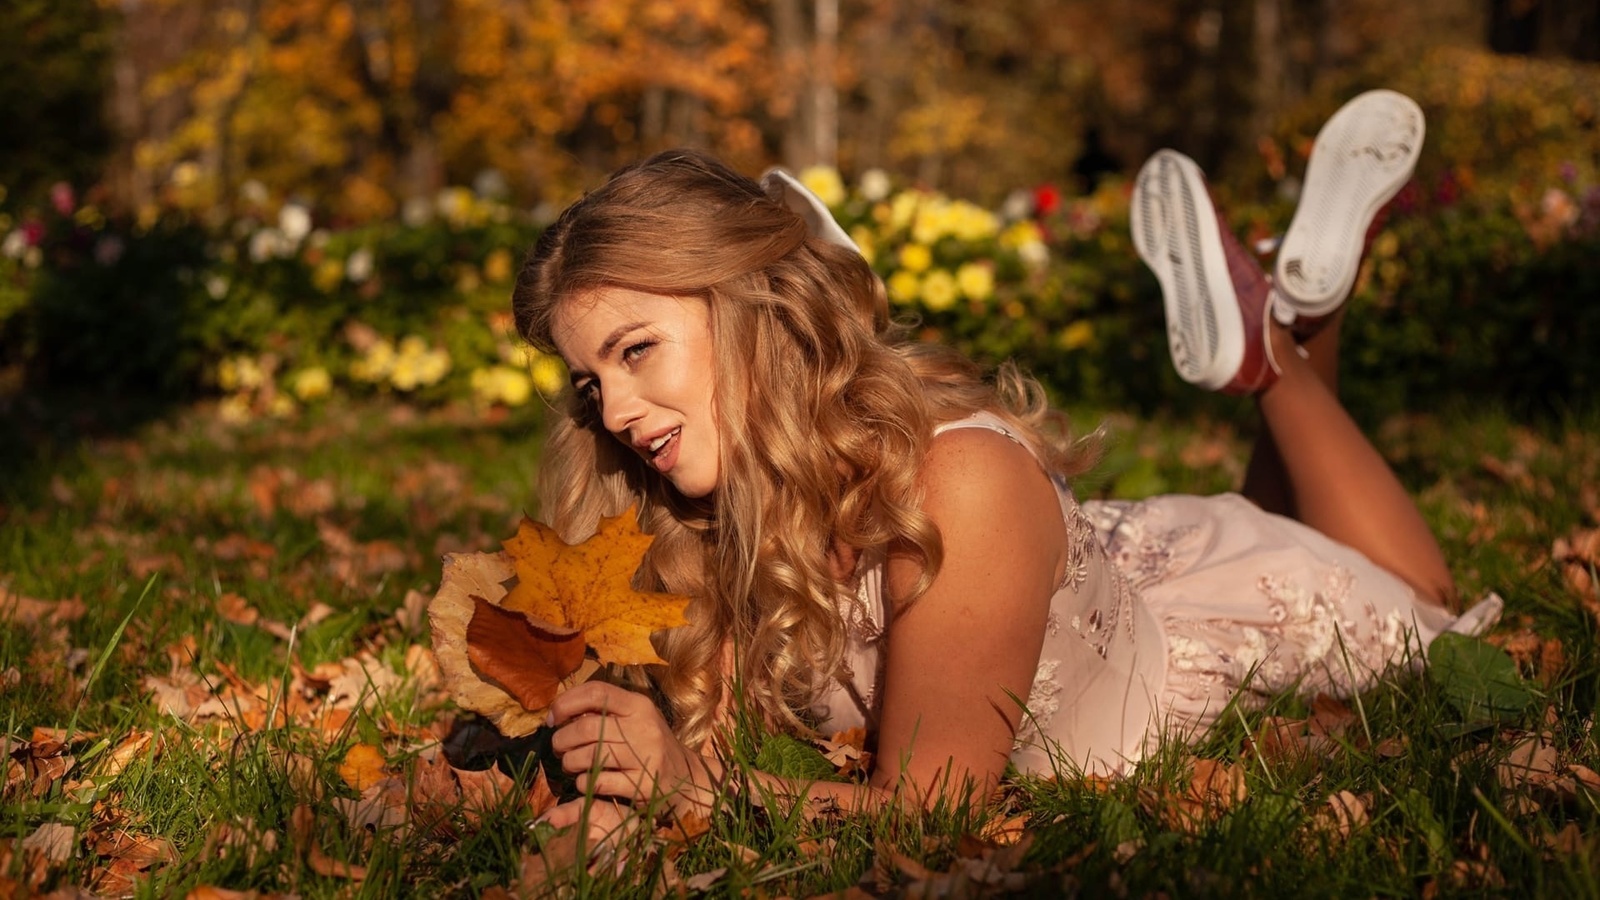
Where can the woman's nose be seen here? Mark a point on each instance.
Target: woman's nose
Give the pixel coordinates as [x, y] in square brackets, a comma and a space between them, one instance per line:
[620, 407]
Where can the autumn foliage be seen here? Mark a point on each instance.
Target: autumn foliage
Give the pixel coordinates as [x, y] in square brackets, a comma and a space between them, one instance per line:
[507, 652]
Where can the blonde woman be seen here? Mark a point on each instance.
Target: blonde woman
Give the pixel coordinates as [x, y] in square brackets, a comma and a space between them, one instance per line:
[874, 534]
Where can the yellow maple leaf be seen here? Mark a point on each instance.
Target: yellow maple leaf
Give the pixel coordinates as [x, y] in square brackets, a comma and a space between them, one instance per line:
[506, 655]
[589, 587]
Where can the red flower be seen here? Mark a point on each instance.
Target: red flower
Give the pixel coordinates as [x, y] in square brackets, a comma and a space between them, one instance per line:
[1046, 199]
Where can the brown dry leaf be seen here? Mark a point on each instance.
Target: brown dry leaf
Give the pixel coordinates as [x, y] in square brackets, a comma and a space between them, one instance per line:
[382, 808]
[132, 747]
[53, 840]
[552, 867]
[40, 764]
[467, 575]
[482, 792]
[362, 766]
[237, 610]
[302, 825]
[847, 750]
[1343, 813]
[1569, 840]
[28, 611]
[684, 829]
[1531, 763]
[1004, 832]
[1214, 788]
[527, 657]
[589, 586]
[412, 614]
[241, 837]
[1330, 716]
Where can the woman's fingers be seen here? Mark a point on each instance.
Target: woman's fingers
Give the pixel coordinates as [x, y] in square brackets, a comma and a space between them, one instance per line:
[594, 697]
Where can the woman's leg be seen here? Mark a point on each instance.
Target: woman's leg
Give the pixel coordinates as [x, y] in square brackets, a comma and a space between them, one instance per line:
[1334, 479]
[1265, 482]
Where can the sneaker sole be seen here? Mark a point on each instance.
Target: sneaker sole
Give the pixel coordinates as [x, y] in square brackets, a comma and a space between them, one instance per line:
[1361, 159]
[1175, 232]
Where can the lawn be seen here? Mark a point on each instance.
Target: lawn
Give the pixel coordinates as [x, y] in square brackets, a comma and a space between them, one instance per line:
[215, 682]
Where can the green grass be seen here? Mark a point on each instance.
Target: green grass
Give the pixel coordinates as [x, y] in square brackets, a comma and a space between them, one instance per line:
[350, 507]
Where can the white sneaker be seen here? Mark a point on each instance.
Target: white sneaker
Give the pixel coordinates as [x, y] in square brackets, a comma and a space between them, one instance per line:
[1215, 295]
[1361, 159]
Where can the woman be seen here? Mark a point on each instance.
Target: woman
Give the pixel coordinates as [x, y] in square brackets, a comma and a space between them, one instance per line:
[875, 536]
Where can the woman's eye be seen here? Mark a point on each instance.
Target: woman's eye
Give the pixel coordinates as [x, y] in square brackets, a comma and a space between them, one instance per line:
[637, 351]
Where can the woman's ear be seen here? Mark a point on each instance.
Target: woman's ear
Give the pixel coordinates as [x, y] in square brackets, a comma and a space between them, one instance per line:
[788, 190]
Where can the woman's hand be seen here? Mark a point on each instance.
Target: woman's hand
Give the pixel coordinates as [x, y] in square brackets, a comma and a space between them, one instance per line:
[620, 746]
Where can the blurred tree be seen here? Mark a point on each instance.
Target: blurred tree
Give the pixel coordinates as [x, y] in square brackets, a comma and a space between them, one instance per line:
[55, 58]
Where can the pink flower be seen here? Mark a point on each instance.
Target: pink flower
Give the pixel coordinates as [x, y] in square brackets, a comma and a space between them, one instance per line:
[61, 197]
[33, 232]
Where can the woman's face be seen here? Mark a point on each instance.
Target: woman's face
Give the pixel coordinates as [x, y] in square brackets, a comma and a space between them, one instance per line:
[645, 362]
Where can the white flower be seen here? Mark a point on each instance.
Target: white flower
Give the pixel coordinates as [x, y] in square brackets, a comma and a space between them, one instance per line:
[1034, 254]
[216, 286]
[254, 193]
[875, 185]
[269, 243]
[1018, 205]
[294, 221]
[358, 268]
[416, 212]
[15, 244]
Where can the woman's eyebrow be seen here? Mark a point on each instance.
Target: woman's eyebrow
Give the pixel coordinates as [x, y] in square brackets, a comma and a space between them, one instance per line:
[616, 336]
[607, 347]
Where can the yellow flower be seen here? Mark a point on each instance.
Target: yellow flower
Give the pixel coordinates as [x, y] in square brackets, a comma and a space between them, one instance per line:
[311, 383]
[433, 366]
[234, 409]
[501, 384]
[228, 374]
[328, 275]
[376, 364]
[824, 181]
[1020, 233]
[1386, 245]
[497, 268]
[413, 345]
[904, 286]
[282, 406]
[916, 258]
[240, 373]
[939, 290]
[902, 208]
[976, 280]
[549, 374]
[862, 235]
[1078, 335]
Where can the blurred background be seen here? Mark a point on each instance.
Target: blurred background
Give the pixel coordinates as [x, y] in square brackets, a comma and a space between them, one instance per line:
[275, 201]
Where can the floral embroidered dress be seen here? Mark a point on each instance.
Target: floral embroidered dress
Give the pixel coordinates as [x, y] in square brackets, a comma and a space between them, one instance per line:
[1169, 607]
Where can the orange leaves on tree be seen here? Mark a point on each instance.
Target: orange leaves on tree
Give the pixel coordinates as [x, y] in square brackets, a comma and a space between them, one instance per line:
[512, 630]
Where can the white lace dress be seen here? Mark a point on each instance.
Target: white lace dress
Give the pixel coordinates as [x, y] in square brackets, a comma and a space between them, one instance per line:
[1169, 607]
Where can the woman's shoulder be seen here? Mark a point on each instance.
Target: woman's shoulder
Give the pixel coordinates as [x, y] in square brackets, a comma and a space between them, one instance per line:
[981, 471]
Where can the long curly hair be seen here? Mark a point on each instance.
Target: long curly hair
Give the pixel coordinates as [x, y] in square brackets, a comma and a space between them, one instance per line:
[825, 410]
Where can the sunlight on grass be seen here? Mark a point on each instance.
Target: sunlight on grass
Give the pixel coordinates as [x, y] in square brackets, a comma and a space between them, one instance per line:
[289, 562]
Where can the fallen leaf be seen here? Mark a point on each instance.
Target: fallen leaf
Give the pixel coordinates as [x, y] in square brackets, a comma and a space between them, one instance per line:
[131, 748]
[1531, 763]
[237, 609]
[1341, 815]
[302, 825]
[55, 841]
[28, 611]
[362, 766]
